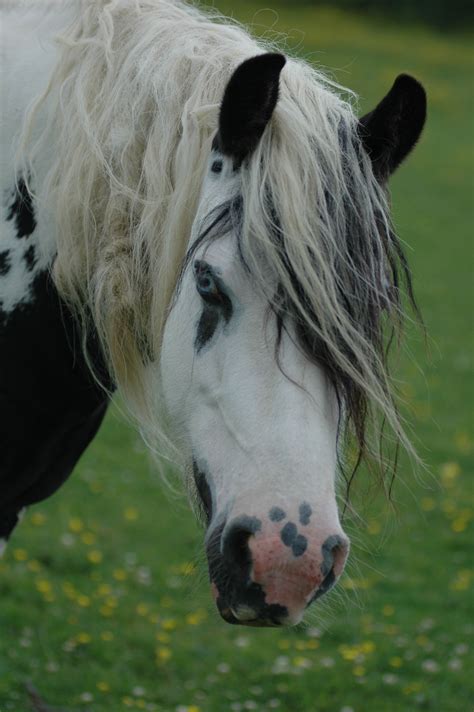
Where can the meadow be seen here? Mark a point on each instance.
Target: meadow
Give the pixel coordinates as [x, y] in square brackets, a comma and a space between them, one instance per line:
[104, 599]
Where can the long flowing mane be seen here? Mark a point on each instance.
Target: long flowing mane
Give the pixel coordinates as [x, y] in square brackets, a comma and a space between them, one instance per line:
[133, 106]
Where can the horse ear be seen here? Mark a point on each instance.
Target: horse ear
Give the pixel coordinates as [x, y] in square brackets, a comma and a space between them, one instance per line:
[249, 101]
[392, 129]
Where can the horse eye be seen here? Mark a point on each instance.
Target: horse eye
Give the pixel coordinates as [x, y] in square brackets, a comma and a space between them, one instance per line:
[206, 284]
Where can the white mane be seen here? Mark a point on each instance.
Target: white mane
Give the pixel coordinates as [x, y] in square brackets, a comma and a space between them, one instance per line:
[133, 106]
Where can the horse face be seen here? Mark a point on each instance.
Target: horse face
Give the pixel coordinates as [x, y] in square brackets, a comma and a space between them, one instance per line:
[258, 424]
[257, 419]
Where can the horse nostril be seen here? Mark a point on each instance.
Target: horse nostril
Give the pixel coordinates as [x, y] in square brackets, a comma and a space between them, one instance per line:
[235, 546]
[334, 551]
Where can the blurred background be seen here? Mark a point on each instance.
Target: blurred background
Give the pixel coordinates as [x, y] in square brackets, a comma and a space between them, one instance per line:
[104, 600]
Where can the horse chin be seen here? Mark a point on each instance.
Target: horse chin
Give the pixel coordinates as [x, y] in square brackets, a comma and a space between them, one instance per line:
[244, 616]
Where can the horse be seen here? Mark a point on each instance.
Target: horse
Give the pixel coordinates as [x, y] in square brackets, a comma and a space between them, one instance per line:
[200, 222]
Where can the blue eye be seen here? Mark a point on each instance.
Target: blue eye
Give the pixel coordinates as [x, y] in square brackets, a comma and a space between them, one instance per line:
[212, 290]
[206, 284]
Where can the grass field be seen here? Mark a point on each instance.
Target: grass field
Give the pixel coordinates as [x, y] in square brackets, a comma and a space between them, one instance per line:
[104, 601]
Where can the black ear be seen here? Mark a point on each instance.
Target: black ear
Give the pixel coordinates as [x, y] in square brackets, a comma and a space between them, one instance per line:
[249, 100]
[392, 129]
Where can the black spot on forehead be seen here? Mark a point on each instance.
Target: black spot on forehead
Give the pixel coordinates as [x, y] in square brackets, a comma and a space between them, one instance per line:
[5, 263]
[21, 210]
[277, 514]
[30, 258]
[305, 513]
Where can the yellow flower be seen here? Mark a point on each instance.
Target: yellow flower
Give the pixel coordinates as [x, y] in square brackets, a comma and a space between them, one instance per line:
[301, 662]
[411, 688]
[38, 519]
[462, 581]
[83, 601]
[396, 662]
[94, 556]
[103, 686]
[359, 671]
[196, 618]
[349, 652]
[76, 525]
[142, 609]
[131, 514]
[163, 654]
[104, 590]
[120, 574]
[20, 554]
[169, 624]
[449, 473]
[107, 635]
[83, 638]
[388, 610]
[43, 586]
[459, 525]
[88, 538]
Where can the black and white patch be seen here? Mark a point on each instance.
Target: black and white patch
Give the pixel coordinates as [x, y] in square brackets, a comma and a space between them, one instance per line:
[21, 258]
[21, 211]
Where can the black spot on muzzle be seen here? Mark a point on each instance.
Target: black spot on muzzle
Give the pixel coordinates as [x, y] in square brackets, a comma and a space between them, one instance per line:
[230, 565]
[296, 542]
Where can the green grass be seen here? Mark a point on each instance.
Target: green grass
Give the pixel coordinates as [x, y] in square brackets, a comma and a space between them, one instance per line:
[102, 605]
